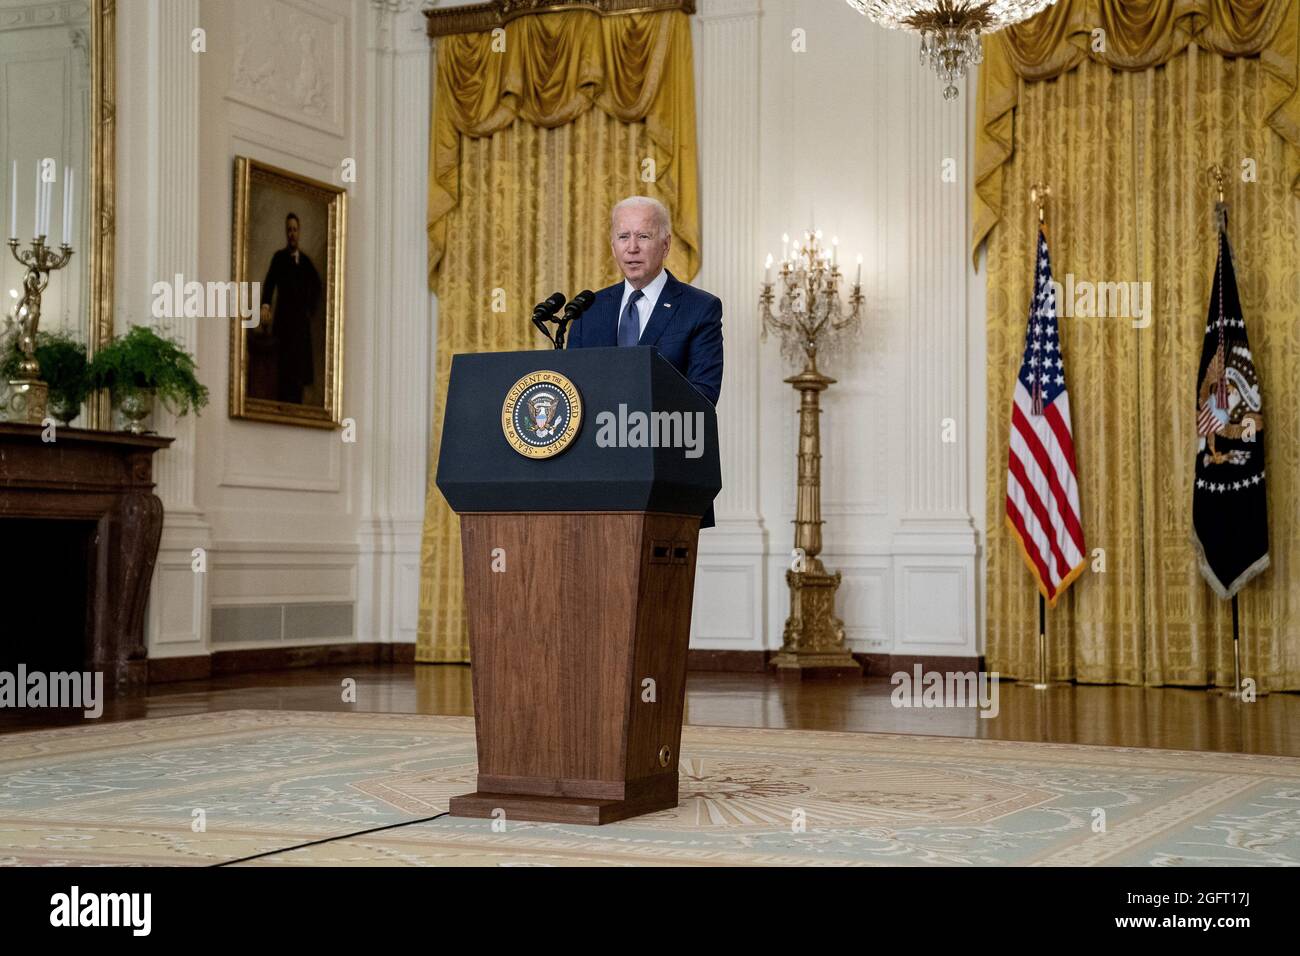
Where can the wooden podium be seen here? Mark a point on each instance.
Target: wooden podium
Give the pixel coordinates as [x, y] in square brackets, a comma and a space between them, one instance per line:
[579, 577]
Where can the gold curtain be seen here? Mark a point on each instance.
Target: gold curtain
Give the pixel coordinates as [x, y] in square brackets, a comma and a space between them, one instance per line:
[1126, 152]
[1127, 35]
[523, 174]
[549, 70]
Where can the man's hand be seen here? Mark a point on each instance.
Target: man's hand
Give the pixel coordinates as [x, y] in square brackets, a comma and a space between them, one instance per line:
[265, 325]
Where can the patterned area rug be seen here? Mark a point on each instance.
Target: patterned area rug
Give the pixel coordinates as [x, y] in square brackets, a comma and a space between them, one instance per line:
[211, 788]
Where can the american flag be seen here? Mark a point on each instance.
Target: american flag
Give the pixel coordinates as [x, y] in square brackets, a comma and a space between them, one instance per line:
[1042, 484]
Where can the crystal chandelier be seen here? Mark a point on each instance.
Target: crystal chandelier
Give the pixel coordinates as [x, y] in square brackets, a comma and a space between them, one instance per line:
[950, 29]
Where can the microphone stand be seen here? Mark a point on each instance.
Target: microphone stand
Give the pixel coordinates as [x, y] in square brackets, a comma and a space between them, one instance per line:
[562, 330]
[540, 322]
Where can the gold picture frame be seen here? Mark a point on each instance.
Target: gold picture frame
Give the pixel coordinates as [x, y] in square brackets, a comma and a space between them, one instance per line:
[103, 146]
[267, 367]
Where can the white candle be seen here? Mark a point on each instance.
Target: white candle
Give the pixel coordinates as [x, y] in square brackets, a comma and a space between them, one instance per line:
[45, 212]
[13, 201]
[835, 249]
[767, 269]
[785, 246]
[858, 280]
[36, 207]
[67, 204]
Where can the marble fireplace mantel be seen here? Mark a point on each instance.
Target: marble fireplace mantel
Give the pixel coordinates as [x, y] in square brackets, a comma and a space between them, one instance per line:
[104, 480]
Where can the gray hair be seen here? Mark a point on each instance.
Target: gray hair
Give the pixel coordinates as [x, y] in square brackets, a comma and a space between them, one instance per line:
[662, 220]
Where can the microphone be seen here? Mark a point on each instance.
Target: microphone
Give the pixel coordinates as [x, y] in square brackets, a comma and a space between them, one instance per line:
[578, 305]
[548, 307]
[545, 310]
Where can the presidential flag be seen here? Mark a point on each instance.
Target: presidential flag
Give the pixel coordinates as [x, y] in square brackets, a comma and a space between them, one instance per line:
[1229, 507]
[1042, 480]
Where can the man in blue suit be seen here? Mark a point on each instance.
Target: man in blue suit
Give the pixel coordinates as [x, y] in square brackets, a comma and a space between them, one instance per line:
[652, 307]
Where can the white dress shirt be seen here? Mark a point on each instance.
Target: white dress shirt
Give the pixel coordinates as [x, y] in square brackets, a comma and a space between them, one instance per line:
[645, 305]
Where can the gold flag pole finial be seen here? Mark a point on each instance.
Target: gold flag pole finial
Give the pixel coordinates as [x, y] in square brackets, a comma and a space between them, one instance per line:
[1220, 207]
[1216, 173]
[1038, 194]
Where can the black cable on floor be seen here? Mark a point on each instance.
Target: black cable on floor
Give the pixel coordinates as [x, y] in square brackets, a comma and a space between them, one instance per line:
[342, 836]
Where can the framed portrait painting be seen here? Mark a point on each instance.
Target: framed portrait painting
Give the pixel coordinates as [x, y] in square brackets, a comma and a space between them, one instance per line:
[286, 359]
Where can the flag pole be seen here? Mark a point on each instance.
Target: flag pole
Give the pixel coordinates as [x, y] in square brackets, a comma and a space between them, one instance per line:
[1215, 172]
[1236, 653]
[1042, 684]
[1038, 194]
[1235, 690]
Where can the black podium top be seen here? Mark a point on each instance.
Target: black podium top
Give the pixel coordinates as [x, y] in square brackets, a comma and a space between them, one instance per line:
[631, 399]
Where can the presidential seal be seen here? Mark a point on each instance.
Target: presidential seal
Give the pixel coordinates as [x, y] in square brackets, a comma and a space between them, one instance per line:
[541, 414]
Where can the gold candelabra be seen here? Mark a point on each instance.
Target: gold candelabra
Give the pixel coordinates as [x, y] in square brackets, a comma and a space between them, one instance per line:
[810, 317]
[29, 394]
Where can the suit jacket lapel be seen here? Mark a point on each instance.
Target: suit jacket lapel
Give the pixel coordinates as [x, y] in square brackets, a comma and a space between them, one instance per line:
[664, 311]
[602, 322]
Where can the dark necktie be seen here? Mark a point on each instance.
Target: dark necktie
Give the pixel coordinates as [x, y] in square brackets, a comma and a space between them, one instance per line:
[629, 326]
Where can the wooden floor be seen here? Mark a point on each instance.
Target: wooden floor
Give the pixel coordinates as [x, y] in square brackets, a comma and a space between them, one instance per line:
[1117, 716]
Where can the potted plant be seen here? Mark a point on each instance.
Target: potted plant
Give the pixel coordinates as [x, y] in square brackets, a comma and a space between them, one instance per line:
[141, 366]
[63, 368]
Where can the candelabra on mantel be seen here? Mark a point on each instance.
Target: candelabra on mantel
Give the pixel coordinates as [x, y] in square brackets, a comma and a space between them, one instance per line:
[28, 394]
[810, 318]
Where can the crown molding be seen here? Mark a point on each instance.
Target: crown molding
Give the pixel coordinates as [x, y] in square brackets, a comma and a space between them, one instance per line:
[482, 17]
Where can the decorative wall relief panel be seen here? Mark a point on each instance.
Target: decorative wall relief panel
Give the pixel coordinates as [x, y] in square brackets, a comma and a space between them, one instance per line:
[288, 60]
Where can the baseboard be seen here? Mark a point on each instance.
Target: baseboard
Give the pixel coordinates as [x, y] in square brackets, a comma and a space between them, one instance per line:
[886, 665]
[873, 665]
[164, 670]
[736, 662]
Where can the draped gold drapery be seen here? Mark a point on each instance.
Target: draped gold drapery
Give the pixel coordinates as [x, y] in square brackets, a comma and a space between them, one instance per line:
[549, 70]
[1125, 152]
[1126, 35]
[523, 174]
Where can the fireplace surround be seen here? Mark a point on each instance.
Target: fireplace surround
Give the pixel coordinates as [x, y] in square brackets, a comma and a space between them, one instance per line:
[79, 527]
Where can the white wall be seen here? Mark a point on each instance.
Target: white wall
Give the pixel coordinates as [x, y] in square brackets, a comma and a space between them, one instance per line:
[849, 137]
[317, 539]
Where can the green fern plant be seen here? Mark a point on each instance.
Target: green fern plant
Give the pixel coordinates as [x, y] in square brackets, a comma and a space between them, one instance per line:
[64, 368]
[143, 361]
